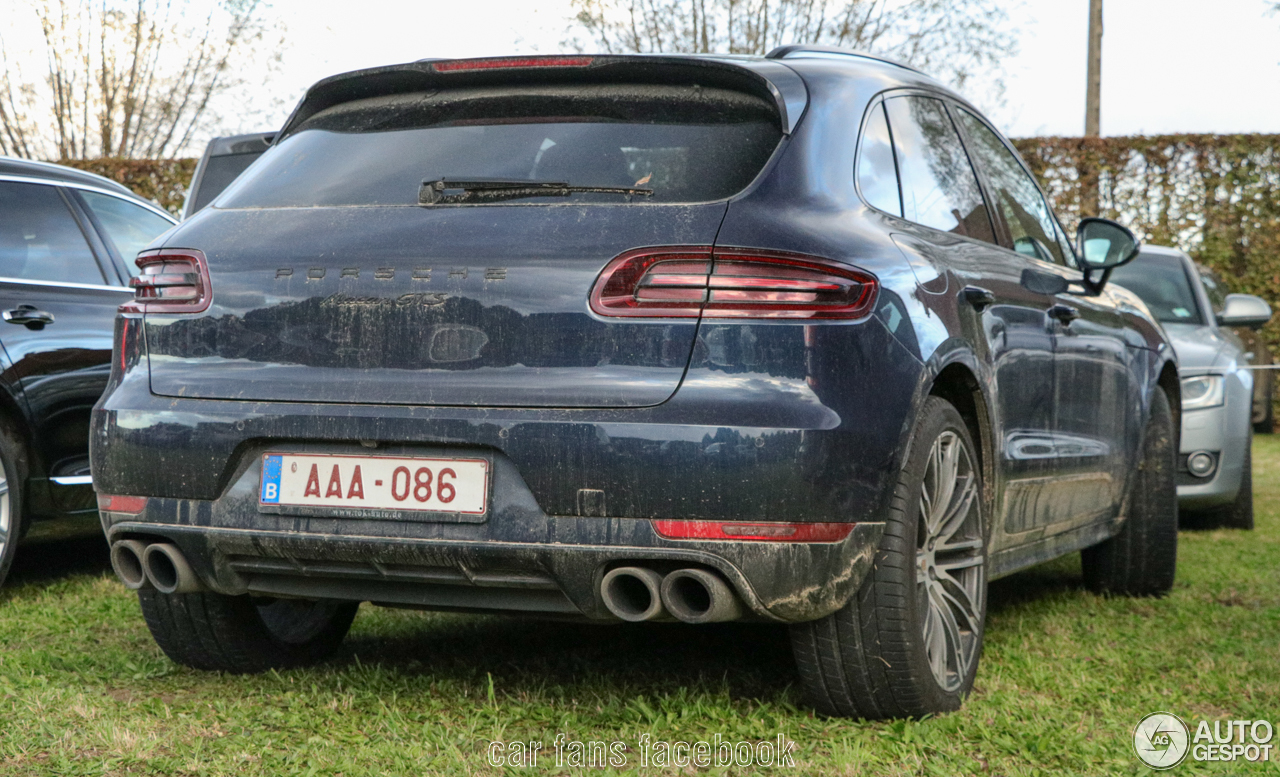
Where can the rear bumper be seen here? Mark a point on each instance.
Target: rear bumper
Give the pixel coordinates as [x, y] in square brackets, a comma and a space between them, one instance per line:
[518, 559]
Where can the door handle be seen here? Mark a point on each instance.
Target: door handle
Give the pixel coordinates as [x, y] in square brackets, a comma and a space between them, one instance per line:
[1064, 314]
[28, 316]
[979, 297]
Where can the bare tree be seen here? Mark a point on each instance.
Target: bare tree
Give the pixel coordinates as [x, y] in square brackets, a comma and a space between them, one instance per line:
[951, 39]
[125, 78]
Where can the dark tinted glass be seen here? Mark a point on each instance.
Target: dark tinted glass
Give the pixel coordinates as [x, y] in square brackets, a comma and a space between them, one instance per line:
[1162, 282]
[39, 238]
[1017, 199]
[128, 225]
[877, 174]
[939, 189]
[686, 145]
[219, 172]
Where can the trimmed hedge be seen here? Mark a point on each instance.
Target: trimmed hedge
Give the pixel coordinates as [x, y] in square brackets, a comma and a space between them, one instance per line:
[1217, 197]
[164, 181]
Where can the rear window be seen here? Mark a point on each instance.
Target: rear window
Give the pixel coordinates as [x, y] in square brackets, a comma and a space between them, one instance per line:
[687, 144]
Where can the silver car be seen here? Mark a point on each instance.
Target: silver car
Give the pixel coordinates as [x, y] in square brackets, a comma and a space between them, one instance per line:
[1215, 482]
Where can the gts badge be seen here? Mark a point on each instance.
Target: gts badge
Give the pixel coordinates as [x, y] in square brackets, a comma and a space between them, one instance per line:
[421, 299]
[418, 274]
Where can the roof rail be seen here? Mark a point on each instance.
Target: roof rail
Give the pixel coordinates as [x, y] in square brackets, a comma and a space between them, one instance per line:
[782, 52]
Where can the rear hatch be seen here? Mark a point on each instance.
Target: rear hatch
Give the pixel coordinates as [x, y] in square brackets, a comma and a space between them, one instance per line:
[332, 283]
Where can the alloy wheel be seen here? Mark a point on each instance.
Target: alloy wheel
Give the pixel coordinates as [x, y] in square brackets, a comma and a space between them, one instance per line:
[950, 561]
[6, 519]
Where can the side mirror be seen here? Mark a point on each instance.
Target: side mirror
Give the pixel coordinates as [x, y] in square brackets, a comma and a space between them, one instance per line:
[1244, 310]
[1104, 245]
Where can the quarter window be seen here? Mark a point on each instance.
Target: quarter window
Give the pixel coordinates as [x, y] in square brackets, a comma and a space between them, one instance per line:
[130, 227]
[877, 173]
[40, 239]
[1017, 198]
[939, 188]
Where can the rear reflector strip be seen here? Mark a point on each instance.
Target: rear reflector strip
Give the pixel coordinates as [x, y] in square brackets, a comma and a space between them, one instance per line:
[757, 532]
[510, 62]
[692, 281]
[172, 281]
[131, 505]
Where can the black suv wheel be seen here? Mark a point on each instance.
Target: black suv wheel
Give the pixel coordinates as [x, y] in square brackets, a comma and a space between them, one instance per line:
[908, 643]
[242, 634]
[1142, 558]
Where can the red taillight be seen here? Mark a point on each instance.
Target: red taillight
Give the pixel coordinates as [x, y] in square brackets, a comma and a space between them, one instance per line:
[654, 283]
[131, 505]
[685, 282]
[172, 281]
[757, 532]
[510, 62]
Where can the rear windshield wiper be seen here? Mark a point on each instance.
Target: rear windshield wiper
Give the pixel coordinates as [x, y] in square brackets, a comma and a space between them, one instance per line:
[479, 190]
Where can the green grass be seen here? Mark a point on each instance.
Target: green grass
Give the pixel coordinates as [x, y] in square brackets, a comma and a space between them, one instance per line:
[1065, 677]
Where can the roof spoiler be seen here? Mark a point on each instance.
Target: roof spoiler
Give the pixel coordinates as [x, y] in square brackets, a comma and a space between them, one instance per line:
[772, 81]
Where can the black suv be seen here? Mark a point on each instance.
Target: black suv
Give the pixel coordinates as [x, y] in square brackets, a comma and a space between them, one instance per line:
[793, 339]
[67, 243]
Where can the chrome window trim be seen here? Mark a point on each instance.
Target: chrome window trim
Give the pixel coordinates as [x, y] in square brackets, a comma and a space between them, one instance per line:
[73, 480]
[65, 285]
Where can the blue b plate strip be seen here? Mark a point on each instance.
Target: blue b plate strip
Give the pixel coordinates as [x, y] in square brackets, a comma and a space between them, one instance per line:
[271, 467]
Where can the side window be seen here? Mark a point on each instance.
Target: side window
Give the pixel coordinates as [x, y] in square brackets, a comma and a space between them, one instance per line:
[1030, 222]
[1216, 291]
[130, 227]
[939, 188]
[40, 239]
[877, 172]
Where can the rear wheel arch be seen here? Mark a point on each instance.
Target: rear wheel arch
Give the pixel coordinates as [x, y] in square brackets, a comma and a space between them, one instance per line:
[958, 384]
[956, 376]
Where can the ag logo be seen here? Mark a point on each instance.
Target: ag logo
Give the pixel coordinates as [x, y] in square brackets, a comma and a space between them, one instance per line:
[1161, 740]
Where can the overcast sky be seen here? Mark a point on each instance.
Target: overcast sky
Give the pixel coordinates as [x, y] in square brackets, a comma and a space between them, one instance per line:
[1168, 65]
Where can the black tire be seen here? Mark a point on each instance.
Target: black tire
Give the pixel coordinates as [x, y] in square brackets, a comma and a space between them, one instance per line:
[872, 658]
[1266, 424]
[1239, 514]
[13, 479]
[1142, 559]
[242, 635]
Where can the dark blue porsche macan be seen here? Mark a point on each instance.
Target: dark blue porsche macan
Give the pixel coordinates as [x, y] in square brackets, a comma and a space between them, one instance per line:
[793, 339]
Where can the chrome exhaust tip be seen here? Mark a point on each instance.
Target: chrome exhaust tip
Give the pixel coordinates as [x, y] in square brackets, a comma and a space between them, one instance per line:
[168, 570]
[126, 560]
[699, 596]
[633, 594]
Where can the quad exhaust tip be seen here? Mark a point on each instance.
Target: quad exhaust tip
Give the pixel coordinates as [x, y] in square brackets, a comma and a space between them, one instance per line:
[168, 570]
[699, 596]
[126, 560]
[637, 594]
[159, 565]
[633, 594]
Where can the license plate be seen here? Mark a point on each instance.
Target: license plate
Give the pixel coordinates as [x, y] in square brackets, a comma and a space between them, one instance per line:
[384, 483]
